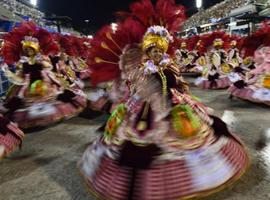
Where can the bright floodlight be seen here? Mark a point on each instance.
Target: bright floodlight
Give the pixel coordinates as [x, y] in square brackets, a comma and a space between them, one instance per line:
[114, 27]
[33, 2]
[198, 4]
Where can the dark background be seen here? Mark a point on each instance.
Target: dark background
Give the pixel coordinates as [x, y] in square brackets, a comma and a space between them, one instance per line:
[100, 12]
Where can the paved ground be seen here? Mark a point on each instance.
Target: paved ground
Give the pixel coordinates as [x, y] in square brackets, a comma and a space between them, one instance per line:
[45, 169]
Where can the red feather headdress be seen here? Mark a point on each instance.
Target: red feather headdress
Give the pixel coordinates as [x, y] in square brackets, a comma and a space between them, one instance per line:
[12, 48]
[108, 45]
[251, 43]
[230, 39]
[210, 38]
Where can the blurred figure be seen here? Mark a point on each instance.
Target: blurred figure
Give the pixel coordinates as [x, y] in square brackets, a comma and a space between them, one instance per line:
[216, 76]
[37, 97]
[255, 83]
[10, 137]
[160, 143]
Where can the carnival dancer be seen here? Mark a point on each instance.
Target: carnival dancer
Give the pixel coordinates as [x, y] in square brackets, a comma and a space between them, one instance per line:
[10, 136]
[184, 58]
[160, 144]
[254, 84]
[37, 97]
[216, 76]
[66, 66]
[234, 60]
[79, 62]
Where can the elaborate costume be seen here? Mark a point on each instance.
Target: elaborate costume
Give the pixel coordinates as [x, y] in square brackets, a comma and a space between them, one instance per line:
[10, 136]
[216, 76]
[185, 58]
[254, 83]
[63, 65]
[80, 66]
[160, 143]
[37, 97]
[77, 50]
[198, 46]
[234, 59]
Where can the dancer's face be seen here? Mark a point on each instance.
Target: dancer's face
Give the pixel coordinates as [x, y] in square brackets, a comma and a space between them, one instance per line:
[183, 45]
[155, 54]
[30, 51]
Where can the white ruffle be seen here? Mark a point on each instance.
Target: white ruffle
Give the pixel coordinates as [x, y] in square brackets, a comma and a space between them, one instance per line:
[95, 95]
[199, 80]
[79, 83]
[91, 159]
[262, 94]
[234, 77]
[208, 166]
[209, 170]
[41, 110]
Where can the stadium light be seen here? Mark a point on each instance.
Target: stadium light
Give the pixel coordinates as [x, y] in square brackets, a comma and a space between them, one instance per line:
[33, 2]
[114, 27]
[199, 4]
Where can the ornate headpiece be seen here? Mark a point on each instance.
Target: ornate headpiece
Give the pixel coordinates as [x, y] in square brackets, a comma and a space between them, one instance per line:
[183, 44]
[218, 42]
[108, 46]
[27, 35]
[157, 36]
[251, 43]
[31, 42]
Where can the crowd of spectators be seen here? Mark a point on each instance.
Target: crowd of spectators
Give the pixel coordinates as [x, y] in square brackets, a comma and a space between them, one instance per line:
[215, 12]
[23, 9]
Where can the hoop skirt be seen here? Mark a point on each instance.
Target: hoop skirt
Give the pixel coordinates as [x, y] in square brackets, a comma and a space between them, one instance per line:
[152, 151]
[10, 136]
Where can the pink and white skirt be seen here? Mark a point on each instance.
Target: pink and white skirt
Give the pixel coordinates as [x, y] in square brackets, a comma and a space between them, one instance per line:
[11, 138]
[42, 114]
[220, 83]
[243, 93]
[191, 173]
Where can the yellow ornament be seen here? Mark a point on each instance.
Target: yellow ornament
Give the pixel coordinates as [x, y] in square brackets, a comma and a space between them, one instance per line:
[152, 40]
[266, 81]
[202, 61]
[225, 68]
[31, 44]
[247, 61]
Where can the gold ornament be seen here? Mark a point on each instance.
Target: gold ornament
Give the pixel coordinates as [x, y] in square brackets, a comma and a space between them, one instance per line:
[31, 44]
[218, 43]
[183, 45]
[266, 81]
[226, 68]
[202, 61]
[152, 40]
[247, 61]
